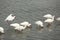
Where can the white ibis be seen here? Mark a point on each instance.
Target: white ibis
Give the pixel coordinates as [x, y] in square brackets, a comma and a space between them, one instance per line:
[27, 24]
[40, 24]
[49, 21]
[10, 17]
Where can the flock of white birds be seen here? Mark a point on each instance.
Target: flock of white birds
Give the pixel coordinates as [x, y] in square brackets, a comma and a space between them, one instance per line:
[25, 24]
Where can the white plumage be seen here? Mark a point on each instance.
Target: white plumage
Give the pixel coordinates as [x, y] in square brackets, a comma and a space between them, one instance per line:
[58, 19]
[1, 29]
[10, 17]
[25, 24]
[49, 20]
[18, 26]
[14, 25]
[39, 23]
[48, 16]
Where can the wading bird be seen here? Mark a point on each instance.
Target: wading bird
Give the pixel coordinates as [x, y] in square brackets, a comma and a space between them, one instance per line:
[27, 24]
[10, 17]
[49, 21]
[40, 24]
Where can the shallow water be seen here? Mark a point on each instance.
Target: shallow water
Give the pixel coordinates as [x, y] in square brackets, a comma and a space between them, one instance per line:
[29, 10]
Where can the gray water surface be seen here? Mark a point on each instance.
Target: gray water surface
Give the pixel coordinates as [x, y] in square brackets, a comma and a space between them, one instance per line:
[31, 11]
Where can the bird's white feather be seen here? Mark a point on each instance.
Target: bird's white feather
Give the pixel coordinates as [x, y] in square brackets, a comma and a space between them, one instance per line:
[10, 18]
[48, 16]
[40, 23]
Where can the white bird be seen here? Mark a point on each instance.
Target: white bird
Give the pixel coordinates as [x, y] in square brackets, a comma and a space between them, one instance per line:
[27, 24]
[49, 20]
[10, 17]
[48, 16]
[1, 30]
[15, 25]
[18, 26]
[58, 19]
[39, 23]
